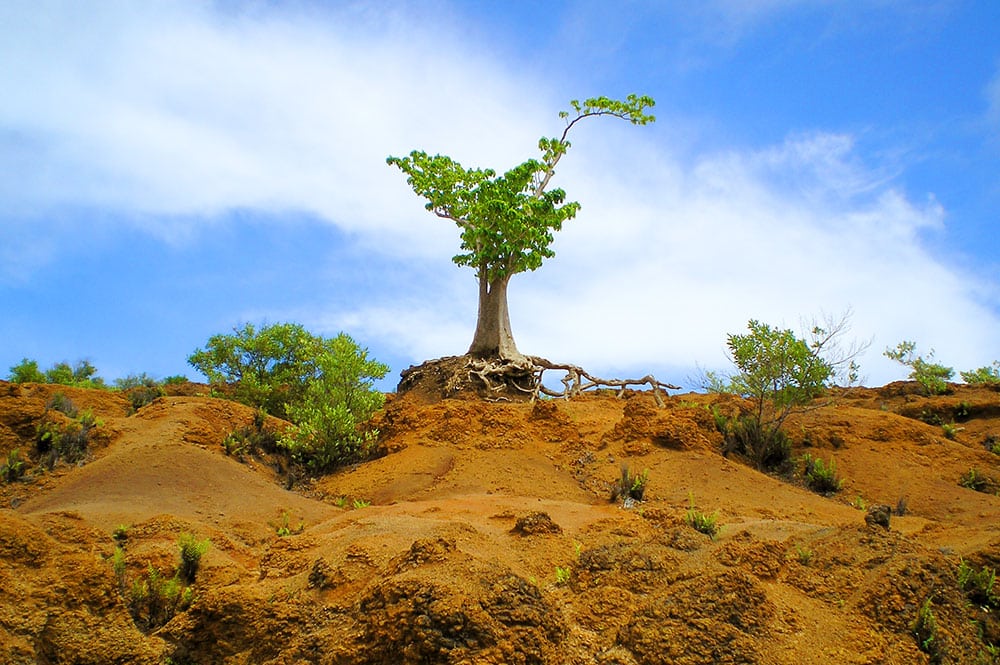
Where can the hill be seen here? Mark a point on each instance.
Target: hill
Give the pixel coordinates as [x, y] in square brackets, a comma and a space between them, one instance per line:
[485, 534]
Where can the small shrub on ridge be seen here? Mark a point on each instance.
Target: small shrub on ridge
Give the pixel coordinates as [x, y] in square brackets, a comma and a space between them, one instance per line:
[932, 376]
[822, 477]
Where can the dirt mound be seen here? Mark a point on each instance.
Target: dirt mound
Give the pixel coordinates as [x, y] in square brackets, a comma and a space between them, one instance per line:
[486, 535]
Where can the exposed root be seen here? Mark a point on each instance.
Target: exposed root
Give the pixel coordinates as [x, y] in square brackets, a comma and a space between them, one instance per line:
[526, 376]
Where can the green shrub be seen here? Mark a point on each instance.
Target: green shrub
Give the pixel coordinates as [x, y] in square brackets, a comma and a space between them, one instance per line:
[13, 469]
[932, 376]
[251, 439]
[768, 449]
[924, 629]
[989, 376]
[175, 379]
[66, 442]
[324, 386]
[974, 480]
[59, 402]
[26, 372]
[701, 522]
[822, 477]
[330, 420]
[155, 599]
[140, 389]
[191, 551]
[630, 486]
[780, 374]
[978, 585]
[992, 443]
[950, 430]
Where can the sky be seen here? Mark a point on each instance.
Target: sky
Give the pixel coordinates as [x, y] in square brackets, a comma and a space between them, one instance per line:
[170, 170]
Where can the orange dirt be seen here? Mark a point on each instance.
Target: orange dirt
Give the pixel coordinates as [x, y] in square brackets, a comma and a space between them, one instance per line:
[490, 537]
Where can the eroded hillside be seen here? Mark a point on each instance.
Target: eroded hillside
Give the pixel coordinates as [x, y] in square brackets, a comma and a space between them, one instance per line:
[486, 535]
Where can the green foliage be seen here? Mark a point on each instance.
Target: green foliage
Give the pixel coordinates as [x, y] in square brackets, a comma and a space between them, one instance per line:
[59, 402]
[285, 529]
[562, 575]
[768, 448]
[822, 477]
[358, 504]
[26, 372]
[174, 380]
[950, 430]
[779, 373]
[140, 389]
[267, 368]
[924, 629]
[630, 486]
[992, 443]
[57, 440]
[251, 439]
[978, 585]
[988, 376]
[932, 376]
[81, 375]
[191, 551]
[507, 220]
[804, 554]
[155, 599]
[13, 469]
[329, 420]
[974, 480]
[702, 522]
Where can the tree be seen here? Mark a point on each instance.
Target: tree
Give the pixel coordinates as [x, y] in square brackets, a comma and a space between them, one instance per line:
[323, 386]
[328, 419]
[933, 377]
[780, 373]
[266, 368]
[507, 220]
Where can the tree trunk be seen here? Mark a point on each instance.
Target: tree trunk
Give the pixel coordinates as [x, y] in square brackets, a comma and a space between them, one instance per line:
[493, 337]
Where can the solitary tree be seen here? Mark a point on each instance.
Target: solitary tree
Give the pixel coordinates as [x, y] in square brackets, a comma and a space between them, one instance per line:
[507, 220]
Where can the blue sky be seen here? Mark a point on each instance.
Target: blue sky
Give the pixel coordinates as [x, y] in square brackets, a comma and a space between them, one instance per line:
[169, 170]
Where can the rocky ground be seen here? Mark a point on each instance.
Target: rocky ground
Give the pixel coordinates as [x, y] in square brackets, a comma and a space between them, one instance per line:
[486, 535]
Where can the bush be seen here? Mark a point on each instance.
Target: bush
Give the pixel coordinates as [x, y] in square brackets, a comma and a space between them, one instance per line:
[630, 486]
[925, 631]
[191, 550]
[81, 375]
[701, 522]
[59, 402]
[978, 585]
[768, 449]
[329, 422]
[931, 376]
[780, 373]
[251, 439]
[140, 389]
[26, 372]
[822, 477]
[64, 441]
[988, 376]
[13, 469]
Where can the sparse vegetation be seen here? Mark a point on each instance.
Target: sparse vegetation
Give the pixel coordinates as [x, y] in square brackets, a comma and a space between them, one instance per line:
[154, 598]
[68, 442]
[630, 487]
[251, 439]
[81, 375]
[12, 469]
[974, 480]
[932, 376]
[950, 430]
[820, 476]
[702, 522]
[901, 506]
[562, 575]
[804, 554]
[988, 376]
[191, 551]
[992, 443]
[924, 629]
[285, 528]
[140, 389]
[360, 503]
[979, 585]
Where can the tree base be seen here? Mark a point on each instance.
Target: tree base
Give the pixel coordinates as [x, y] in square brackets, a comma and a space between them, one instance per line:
[511, 380]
